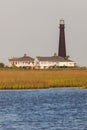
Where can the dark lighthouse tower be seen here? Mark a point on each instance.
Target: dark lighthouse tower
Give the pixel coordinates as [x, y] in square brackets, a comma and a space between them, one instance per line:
[62, 46]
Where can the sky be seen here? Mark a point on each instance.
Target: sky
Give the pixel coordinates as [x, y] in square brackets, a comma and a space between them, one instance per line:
[32, 27]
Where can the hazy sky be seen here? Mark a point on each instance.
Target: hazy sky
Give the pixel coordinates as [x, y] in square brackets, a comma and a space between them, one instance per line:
[32, 27]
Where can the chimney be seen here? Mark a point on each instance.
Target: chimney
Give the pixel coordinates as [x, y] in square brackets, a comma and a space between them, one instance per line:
[25, 55]
[55, 54]
[62, 46]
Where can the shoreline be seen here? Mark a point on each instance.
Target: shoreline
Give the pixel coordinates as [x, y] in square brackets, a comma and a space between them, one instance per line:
[43, 89]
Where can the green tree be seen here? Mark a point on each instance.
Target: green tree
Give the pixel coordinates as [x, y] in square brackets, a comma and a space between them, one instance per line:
[2, 65]
[67, 57]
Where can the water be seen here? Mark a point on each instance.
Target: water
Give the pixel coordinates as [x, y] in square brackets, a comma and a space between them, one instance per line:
[50, 109]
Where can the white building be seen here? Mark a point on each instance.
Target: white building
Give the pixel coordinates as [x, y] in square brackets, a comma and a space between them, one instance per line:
[24, 61]
[53, 61]
[41, 62]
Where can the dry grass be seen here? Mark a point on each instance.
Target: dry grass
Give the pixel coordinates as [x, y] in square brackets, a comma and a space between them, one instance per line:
[31, 79]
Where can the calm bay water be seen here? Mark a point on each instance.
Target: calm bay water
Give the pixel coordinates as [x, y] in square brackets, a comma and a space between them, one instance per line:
[46, 109]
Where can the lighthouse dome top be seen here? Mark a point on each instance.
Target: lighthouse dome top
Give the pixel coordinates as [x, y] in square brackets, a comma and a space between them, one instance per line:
[61, 21]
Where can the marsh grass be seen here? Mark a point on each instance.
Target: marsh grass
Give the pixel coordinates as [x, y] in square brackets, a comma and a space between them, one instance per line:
[34, 79]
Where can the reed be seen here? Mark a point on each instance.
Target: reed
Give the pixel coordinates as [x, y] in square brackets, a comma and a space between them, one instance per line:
[34, 79]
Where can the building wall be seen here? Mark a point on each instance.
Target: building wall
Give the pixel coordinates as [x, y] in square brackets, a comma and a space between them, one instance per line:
[47, 64]
[40, 64]
[21, 64]
[68, 64]
[44, 64]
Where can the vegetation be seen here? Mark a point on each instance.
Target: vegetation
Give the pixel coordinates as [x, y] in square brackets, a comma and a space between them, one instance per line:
[2, 65]
[32, 79]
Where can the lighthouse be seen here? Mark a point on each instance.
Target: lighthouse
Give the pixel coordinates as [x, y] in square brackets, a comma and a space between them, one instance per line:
[62, 45]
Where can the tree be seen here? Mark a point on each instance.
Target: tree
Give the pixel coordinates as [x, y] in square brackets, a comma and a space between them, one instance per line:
[2, 65]
[67, 57]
